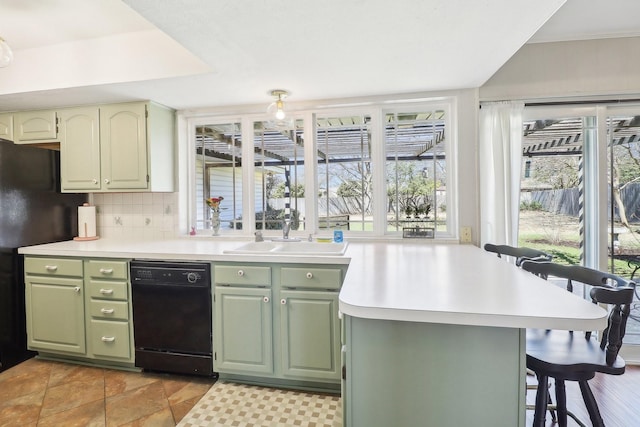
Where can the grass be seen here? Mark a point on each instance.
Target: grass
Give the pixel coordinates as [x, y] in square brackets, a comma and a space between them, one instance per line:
[559, 235]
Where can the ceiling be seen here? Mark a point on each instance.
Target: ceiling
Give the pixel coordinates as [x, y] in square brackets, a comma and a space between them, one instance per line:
[190, 54]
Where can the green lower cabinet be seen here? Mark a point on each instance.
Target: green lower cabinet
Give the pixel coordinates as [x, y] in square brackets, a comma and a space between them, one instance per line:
[79, 310]
[55, 314]
[244, 333]
[310, 334]
[110, 339]
[277, 324]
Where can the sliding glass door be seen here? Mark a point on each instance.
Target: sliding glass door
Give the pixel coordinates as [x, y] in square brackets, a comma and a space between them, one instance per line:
[580, 191]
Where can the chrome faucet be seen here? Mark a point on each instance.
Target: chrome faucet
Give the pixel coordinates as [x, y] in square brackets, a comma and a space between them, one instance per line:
[286, 226]
[259, 237]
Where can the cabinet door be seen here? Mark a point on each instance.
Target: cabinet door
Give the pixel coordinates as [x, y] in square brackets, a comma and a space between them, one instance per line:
[123, 146]
[55, 314]
[35, 126]
[80, 149]
[243, 328]
[310, 334]
[6, 126]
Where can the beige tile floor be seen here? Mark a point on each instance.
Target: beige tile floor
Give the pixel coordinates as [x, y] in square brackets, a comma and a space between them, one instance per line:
[44, 393]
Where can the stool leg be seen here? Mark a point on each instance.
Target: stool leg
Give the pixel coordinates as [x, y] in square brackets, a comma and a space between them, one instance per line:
[541, 401]
[561, 403]
[592, 406]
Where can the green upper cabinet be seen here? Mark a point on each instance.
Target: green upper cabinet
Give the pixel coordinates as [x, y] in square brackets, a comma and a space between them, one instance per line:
[6, 126]
[80, 148]
[33, 127]
[117, 147]
[123, 146]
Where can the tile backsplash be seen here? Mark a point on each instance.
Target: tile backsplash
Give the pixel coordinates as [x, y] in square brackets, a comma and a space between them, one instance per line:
[148, 215]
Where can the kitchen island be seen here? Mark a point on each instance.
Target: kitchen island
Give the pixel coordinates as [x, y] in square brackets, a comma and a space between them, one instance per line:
[433, 333]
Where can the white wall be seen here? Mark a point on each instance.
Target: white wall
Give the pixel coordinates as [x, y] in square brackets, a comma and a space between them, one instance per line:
[607, 68]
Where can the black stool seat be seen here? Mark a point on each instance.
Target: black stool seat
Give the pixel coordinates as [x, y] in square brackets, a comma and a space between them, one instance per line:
[568, 356]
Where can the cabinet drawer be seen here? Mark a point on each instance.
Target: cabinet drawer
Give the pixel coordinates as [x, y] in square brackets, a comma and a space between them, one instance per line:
[313, 277]
[112, 290]
[108, 269]
[113, 310]
[242, 275]
[110, 339]
[53, 266]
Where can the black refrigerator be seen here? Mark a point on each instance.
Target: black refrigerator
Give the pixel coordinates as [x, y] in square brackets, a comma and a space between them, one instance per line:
[32, 211]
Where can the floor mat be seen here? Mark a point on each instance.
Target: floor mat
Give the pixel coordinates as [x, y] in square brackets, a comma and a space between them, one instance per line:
[231, 404]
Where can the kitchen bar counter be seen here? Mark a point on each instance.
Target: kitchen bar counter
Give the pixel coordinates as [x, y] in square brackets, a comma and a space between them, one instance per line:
[456, 284]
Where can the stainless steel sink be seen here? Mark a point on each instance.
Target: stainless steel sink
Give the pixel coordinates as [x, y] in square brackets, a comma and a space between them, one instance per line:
[290, 248]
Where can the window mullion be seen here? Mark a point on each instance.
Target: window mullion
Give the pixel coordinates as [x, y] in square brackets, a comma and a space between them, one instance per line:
[378, 166]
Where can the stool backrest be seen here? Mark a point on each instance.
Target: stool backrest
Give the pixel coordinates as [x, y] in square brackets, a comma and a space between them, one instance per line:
[619, 300]
[519, 253]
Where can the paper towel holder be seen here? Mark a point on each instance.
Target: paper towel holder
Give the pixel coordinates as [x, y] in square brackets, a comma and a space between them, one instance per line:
[85, 238]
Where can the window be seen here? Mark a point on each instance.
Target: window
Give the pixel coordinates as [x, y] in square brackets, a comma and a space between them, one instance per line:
[218, 174]
[416, 172]
[367, 170]
[345, 189]
[279, 168]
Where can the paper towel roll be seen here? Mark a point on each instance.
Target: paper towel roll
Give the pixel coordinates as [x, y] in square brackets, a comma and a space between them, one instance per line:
[86, 221]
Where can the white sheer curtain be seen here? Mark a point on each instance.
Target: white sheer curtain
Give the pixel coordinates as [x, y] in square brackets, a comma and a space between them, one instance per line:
[500, 165]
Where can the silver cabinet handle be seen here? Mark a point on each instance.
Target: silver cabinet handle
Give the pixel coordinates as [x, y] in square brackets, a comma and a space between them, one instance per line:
[265, 299]
[106, 270]
[51, 268]
[106, 180]
[76, 289]
[95, 181]
[283, 301]
[309, 275]
[240, 273]
[107, 310]
[108, 339]
[106, 291]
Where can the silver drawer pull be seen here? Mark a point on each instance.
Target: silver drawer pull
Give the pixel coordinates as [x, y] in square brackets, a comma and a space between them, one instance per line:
[51, 268]
[106, 291]
[76, 289]
[240, 273]
[309, 275]
[106, 270]
[107, 310]
[283, 301]
[265, 299]
[108, 339]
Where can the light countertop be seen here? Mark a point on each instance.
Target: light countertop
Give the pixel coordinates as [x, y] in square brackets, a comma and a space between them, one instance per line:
[401, 280]
[457, 284]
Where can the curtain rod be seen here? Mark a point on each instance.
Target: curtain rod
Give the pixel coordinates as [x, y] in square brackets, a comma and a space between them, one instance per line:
[560, 103]
[585, 102]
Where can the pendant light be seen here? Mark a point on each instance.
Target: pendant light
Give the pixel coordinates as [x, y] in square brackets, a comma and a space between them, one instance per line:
[6, 55]
[276, 108]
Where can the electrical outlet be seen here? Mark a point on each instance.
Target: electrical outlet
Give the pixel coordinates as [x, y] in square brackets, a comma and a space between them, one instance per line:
[465, 234]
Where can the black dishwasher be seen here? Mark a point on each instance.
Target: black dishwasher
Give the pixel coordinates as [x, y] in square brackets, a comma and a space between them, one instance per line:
[172, 320]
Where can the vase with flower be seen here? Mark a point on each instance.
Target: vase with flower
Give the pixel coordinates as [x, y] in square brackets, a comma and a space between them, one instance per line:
[214, 205]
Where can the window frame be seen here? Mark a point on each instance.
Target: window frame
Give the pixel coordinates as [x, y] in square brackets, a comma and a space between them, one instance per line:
[377, 112]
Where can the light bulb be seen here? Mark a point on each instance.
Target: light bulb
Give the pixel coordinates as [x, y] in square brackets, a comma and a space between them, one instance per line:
[6, 55]
[280, 110]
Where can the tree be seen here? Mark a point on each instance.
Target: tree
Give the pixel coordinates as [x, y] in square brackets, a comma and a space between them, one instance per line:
[413, 193]
[296, 190]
